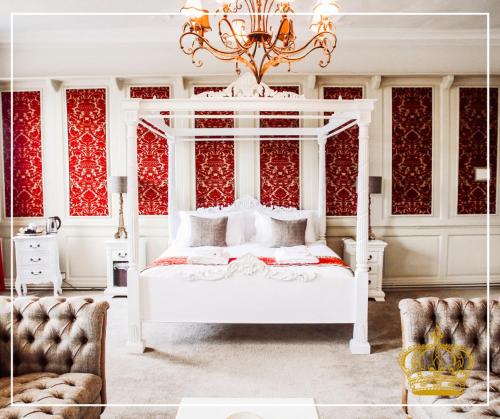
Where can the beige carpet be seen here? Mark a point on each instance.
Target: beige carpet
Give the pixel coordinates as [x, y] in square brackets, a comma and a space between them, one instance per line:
[188, 360]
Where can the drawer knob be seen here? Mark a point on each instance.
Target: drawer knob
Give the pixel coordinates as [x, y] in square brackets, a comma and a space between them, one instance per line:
[35, 259]
[369, 282]
[369, 269]
[122, 255]
[36, 273]
[370, 257]
[35, 246]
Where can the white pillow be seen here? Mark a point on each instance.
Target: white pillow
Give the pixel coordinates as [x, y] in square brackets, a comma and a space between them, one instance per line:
[263, 225]
[235, 232]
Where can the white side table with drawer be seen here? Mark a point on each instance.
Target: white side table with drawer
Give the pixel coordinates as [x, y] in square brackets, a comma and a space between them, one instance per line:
[37, 262]
[117, 265]
[375, 265]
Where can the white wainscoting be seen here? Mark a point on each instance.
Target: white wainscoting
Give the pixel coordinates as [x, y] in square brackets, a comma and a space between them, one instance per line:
[439, 249]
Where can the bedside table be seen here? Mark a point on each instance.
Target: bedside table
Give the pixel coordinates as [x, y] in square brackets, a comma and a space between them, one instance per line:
[117, 265]
[37, 262]
[375, 264]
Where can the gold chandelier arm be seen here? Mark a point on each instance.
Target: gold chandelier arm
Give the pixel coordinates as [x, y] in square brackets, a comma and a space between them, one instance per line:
[233, 35]
[300, 54]
[204, 43]
[221, 55]
[320, 38]
[224, 35]
[326, 52]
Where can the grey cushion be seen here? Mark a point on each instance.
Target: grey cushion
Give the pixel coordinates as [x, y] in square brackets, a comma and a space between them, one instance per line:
[208, 231]
[288, 233]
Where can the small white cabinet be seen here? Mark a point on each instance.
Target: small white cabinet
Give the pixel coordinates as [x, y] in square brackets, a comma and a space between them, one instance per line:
[375, 264]
[37, 262]
[117, 265]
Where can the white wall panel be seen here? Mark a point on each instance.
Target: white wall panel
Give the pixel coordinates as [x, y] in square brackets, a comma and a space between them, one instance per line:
[467, 255]
[86, 257]
[412, 256]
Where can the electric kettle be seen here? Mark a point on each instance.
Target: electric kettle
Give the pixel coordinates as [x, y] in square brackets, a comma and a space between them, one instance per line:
[53, 224]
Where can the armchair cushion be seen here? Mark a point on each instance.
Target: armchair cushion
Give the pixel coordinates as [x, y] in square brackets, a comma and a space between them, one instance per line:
[51, 388]
[474, 394]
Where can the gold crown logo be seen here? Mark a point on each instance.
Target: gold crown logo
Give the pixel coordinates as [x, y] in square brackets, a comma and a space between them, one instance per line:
[436, 368]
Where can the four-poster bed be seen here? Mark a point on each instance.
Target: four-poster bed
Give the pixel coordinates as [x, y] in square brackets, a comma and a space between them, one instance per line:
[249, 290]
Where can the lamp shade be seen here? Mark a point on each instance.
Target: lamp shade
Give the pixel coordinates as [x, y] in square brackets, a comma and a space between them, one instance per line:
[375, 184]
[117, 184]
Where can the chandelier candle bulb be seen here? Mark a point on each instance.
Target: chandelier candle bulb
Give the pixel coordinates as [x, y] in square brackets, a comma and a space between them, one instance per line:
[193, 9]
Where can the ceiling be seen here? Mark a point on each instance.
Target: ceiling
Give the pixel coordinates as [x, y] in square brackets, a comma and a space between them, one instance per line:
[148, 44]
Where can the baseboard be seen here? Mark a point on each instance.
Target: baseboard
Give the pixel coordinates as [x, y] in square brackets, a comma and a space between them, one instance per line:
[388, 283]
[433, 282]
[80, 283]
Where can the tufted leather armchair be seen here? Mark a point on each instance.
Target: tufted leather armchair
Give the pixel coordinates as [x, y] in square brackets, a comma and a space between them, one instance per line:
[58, 359]
[463, 322]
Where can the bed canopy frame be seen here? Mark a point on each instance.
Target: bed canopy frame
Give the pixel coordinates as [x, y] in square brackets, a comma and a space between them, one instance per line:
[245, 99]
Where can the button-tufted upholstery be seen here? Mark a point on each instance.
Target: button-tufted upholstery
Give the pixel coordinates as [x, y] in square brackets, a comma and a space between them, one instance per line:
[58, 356]
[463, 322]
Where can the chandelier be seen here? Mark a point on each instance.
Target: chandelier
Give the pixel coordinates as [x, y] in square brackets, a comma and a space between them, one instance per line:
[249, 38]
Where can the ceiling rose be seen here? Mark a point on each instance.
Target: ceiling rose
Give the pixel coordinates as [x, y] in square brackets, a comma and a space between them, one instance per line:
[247, 36]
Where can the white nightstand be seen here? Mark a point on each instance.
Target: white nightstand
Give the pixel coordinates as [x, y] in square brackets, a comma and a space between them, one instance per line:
[37, 262]
[117, 265]
[375, 265]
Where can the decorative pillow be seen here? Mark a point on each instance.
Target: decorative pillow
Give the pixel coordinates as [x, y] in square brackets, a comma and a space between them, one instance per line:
[208, 231]
[235, 232]
[263, 225]
[287, 233]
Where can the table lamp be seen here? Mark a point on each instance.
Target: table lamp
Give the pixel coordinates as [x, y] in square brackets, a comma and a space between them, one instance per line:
[118, 184]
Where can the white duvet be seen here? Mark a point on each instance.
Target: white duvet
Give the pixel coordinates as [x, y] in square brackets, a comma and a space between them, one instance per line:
[256, 249]
[161, 273]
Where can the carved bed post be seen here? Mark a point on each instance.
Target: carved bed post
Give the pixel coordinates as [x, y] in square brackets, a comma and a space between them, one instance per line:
[359, 342]
[172, 213]
[322, 188]
[135, 343]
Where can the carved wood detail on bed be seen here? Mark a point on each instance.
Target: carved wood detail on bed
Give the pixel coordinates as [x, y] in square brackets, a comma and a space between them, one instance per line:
[245, 203]
[250, 265]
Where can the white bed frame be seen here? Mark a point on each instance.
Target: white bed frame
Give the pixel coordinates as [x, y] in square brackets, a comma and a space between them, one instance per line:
[250, 295]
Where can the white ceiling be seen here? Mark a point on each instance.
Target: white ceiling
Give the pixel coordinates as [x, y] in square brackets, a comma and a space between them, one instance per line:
[148, 44]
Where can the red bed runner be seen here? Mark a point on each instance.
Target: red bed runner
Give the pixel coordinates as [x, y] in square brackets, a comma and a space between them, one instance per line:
[323, 261]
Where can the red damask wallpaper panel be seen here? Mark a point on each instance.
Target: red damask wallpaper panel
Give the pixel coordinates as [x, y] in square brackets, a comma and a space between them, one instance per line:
[472, 150]
[214, 161]
[86, 121]
[411, 150]
[280, 161]
[27, 154]
[152, 159]
[342, 160]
